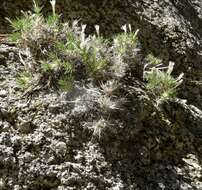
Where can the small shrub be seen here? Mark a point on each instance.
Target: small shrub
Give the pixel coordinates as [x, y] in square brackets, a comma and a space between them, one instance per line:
[125, 42]
[19, 26]
[35, 32]
[119, 67]
[23, 80]
[61, 52]
[162, 84]
[65, 82]
[94, 54]
[107, 104]
[125, 54]
[152, 60]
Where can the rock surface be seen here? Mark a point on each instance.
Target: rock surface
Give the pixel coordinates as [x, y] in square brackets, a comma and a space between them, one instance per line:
[49, 141]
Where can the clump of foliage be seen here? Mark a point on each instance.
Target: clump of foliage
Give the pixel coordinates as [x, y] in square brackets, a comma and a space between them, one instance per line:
[162, 84]
[94, 53]
[152, 60]
[56, 49]
[99, 127]
[24, 79]
[58, 53]
[125, 42]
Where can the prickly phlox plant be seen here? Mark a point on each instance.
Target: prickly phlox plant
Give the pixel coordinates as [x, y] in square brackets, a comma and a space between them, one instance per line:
[61, 55]
[60, 52]
[161, 83]
[106, 71]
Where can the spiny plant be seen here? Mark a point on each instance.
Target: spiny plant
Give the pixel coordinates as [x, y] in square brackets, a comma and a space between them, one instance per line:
[126, 41]
[106, 103]
[34, 31]
[162, 84]
[41, 38]
[19, 25]
[60, 72]
[99, 127]
[94, 52]
[65, 82]
[125, 53]
[58, 50]
[109, 87]
[23, 80]
[152, 60]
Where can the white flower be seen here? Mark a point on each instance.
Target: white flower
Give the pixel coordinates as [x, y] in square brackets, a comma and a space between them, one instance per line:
[124, 28]
[83, 28]
[170, 67]
[53, 2]
[97, 28]
[130, 28]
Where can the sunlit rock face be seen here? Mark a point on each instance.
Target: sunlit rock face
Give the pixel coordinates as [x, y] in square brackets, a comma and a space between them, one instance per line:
[58, 141]
[168, 28]
[69, 140]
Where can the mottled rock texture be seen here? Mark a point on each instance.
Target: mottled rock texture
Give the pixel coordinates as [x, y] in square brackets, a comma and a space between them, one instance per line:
[170, 29]
[47, 141]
